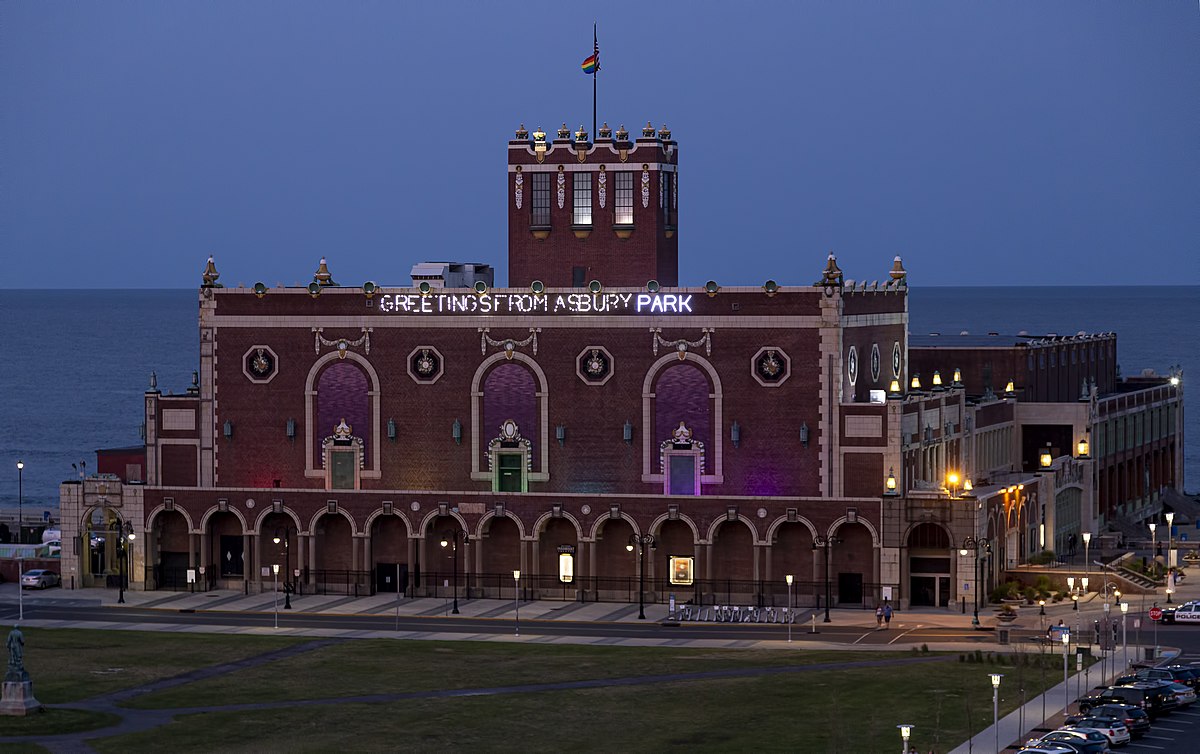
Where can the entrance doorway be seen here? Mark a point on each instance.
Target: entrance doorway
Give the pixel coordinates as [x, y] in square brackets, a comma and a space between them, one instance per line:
[391, 577]
[850, 588]
[930, 590]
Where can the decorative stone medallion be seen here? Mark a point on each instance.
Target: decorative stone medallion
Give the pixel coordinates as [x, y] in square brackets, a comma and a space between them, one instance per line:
[875, 363]
[770, 367]
[425, 365]
[897, 361]
[594, 365]
[852, 365]
[260, 364]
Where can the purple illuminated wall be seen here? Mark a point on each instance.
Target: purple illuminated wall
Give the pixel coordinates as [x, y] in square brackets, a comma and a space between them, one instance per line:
[681, 394]
[342, 393]
[510, 392]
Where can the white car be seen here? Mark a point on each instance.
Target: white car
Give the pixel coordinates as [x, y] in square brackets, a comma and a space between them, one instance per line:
[1189, 613]
[39, 578]
[1117, 734]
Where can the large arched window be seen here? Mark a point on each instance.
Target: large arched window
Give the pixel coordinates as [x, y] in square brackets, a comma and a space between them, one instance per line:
[682, 440]
[510, 426]
[343, 422]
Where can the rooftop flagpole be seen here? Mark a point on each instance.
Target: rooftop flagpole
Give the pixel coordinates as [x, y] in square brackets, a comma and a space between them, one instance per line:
[596, 53]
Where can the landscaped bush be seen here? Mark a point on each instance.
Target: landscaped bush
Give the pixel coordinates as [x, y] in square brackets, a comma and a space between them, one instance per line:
[1044, 557]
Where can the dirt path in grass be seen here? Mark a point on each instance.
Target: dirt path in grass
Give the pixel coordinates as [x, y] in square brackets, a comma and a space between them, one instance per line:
[138, 720]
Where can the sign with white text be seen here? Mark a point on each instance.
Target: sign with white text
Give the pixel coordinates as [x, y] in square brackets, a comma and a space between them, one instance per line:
[529, 303]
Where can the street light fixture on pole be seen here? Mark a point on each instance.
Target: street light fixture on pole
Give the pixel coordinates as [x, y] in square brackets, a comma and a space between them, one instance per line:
[287, 532]
[996, 706]
[1170, 560]
[641, 542]
[20, 503]
[1124, 634]
[451, 540]
[826, 543]
[1154, 543]
[976, 544]
[517, 602]
[905, 732]
[275, 570]
[788, 578]
[1066, 642]
[124, 536]
[1071, 589]
[1087, 543]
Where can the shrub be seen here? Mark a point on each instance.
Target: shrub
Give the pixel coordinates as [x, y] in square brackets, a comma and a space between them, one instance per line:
[1044, 557]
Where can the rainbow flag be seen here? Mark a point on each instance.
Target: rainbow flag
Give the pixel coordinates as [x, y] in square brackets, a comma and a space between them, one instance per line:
[592, 64]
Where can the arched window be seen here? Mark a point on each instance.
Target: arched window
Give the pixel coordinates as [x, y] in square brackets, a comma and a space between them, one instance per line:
[342, 422]
[683, 427]
[510, 426]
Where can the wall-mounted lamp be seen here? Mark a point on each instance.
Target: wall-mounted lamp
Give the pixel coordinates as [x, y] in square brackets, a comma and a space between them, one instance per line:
[560, 434]
[735, 434]
[889, 487]
[456, 432]
[291, 429]
[228, 430]
[1083, 447]
[627, 433]
[391, 429]
[1045, 458]
[804, 434]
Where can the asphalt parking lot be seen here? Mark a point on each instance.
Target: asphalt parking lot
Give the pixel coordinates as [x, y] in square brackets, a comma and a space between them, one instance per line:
[1176, 732]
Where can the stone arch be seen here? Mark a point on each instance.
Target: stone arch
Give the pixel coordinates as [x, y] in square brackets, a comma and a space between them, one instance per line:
[539, 526]
[656, 525]
[650, 470]
[712, 529]
[780, 521]
[160, 509]
[435, 514]
[378, 513]
[944, 529]
[168, 546]
[332, 545]
[486, 519]
[286, 511]
[602, 520]
[312, 522]
[833, 528]
[373, 395]
[208, 514]
[541, 431]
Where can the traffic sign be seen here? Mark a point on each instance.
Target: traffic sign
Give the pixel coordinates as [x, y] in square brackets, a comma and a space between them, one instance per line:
[1156, 613]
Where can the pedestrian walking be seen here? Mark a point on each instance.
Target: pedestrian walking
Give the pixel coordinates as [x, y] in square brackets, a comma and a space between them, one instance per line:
[887, 616]
[879, 616]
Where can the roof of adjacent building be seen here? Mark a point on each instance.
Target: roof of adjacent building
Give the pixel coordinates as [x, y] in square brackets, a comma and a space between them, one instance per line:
[967, 339]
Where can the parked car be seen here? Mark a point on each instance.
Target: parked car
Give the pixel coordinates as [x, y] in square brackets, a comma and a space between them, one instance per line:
[1085, 742]
[1188, 612]
[1114, 730]
[1184, 695]
[1155, 700]
[1135, 718]
[1046, 748]
[39, 578]
[1169, 674]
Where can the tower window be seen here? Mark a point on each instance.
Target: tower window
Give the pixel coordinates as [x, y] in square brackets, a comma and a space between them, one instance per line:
[582, 199]
[624, 203]
[541, 199]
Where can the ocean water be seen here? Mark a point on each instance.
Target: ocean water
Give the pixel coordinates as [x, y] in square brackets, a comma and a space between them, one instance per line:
[76, 363]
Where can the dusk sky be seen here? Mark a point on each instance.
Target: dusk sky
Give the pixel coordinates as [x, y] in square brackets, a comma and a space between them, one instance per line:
[997, 143]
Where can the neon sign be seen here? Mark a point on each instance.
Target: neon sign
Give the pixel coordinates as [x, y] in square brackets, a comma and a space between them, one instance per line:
[528, 303]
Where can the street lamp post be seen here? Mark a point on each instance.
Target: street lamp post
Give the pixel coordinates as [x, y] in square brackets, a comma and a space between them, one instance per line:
[1124, 634]
[287, 532]
[20, 502]
[1087, 543]
[905, 732]
[1066, 642]
[996, 706]
[451, 540]
[788, 578]
[976, 544]
[826, 543]
[517, 602]
[1071, 589]
[1170, 560]
[641, 542]
[275, 570]
[124, 536]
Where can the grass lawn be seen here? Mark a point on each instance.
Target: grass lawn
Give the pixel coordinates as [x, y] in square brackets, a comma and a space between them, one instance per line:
[54, 721]
[21, 749]
[850, 709]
